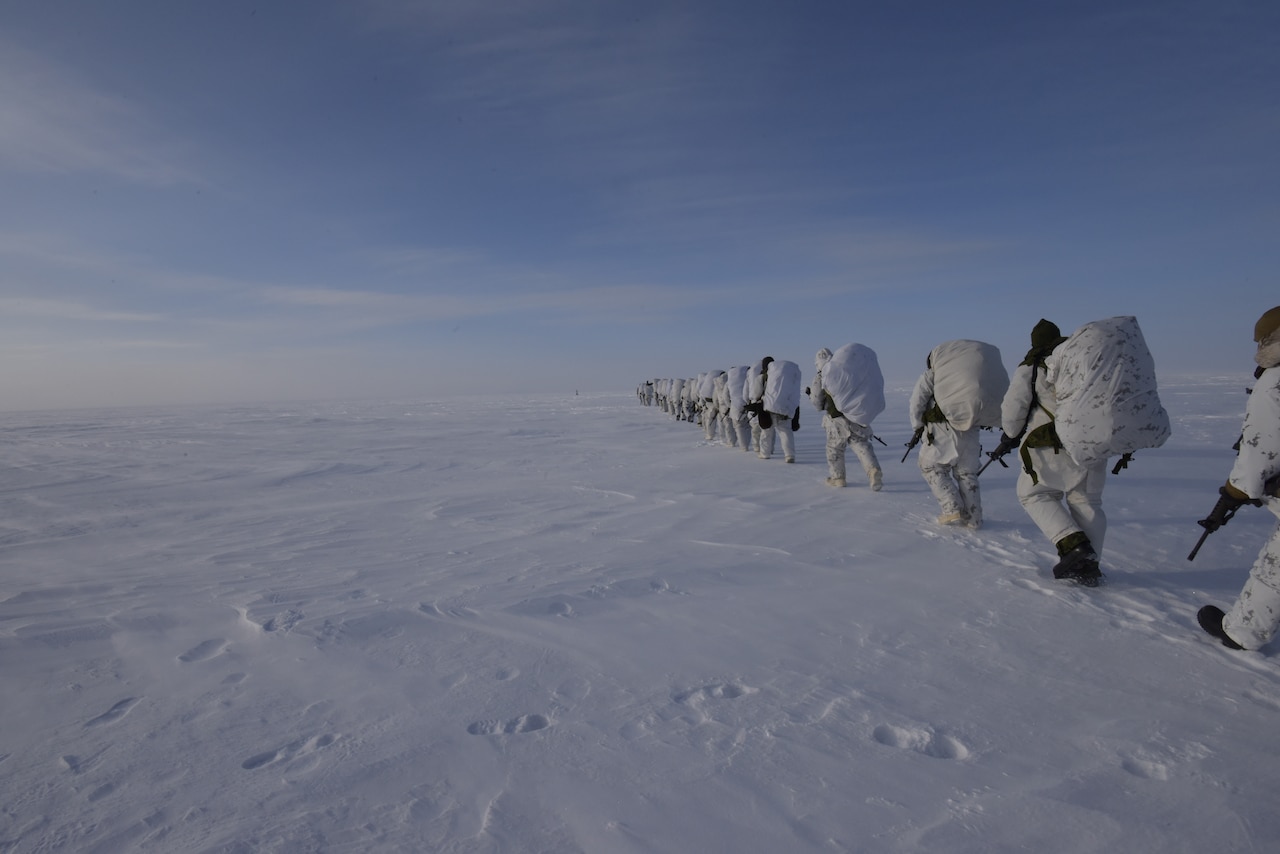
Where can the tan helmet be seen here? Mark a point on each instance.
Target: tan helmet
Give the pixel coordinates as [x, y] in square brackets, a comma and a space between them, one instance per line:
[1266, 325]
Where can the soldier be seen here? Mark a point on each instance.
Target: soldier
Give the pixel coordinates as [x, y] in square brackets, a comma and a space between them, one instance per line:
[1255, 616]
[1063, 498]
[848, 389]
[959, 392]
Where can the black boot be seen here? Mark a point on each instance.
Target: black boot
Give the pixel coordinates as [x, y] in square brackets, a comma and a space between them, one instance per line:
[1210, 619]
[1079, 564]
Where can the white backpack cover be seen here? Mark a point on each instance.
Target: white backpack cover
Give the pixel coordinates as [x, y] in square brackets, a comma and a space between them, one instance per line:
[852, 377]
[782, 387]
[969, 382]
[1104, 380]
[707, 385]
[736, 379]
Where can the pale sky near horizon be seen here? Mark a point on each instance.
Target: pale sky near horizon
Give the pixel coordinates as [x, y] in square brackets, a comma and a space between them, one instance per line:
[241, 201]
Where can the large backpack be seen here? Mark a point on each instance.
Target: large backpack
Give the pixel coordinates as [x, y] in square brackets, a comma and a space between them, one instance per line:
[707, 385]
[736, 378]
[1104, 379]
[853, 380]
[782, 387]
[969, 383]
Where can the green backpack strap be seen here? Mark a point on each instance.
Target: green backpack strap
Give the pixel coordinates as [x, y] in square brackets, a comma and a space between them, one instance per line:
[1044, 436]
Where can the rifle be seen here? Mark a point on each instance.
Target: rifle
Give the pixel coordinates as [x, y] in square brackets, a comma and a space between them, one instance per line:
[1225, 510]
[1007, 444]
[915, 440]
[1122, 463]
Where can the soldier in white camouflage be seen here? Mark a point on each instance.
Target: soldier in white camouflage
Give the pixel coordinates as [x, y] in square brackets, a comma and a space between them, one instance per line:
[1254, 618]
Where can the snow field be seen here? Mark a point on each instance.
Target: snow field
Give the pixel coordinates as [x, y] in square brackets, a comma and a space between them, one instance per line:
[570, 624]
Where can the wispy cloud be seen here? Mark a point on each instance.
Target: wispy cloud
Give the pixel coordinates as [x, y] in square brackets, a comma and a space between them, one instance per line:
[60, 309]
[367, 307]
[53, 122]
[627, 87]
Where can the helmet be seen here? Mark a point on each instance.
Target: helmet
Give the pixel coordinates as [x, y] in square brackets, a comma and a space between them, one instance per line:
[1266, 325]
[823, 356]
[1046, 333]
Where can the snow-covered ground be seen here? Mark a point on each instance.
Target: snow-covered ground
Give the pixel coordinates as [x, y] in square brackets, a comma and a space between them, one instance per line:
[559, 624]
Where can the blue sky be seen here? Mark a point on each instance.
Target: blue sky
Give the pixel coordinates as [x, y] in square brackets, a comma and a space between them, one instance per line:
[386, 198]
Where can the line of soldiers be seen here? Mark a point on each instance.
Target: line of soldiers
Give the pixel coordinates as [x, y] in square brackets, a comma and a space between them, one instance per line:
[757, 407]
[748, 406]
[963, 389]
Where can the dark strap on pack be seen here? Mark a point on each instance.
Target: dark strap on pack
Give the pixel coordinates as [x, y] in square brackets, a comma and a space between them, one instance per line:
[1044, 436]
[934, 414]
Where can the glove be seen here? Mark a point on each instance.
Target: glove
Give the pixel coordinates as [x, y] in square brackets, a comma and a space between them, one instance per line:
[1228, 503]
[1007, 444]
[795, 421]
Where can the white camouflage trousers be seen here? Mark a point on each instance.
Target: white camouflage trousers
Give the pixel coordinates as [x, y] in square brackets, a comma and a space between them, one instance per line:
[745, 428]
[758, 436]
[949, 461]
[1254, 618]
[1068, 497]
[782, 430]
[728, 429]
[843, 433]
[710, 418]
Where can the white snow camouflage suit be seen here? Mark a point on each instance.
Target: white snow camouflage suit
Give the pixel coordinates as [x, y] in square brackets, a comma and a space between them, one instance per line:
[960, 392]
[781, 400]
[1255, 616]
[728, 430]
[708, 403]
[949, 459]
[736, 382]
[1061, 497]
[841, 432]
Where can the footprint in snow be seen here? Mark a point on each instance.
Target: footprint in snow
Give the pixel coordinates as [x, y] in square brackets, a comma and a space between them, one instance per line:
[203, 651]
[79, 764]
[1146, 769]
[113, 714]
[718, 691]
[524, 723]
[283, 622]
[101, 792]
[573, 690]
[294, 748]
[921, 741]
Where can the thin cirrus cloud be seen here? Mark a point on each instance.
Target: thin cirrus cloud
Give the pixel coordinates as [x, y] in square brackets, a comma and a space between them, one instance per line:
[71, 310]
[365, 307]
[53, 122]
